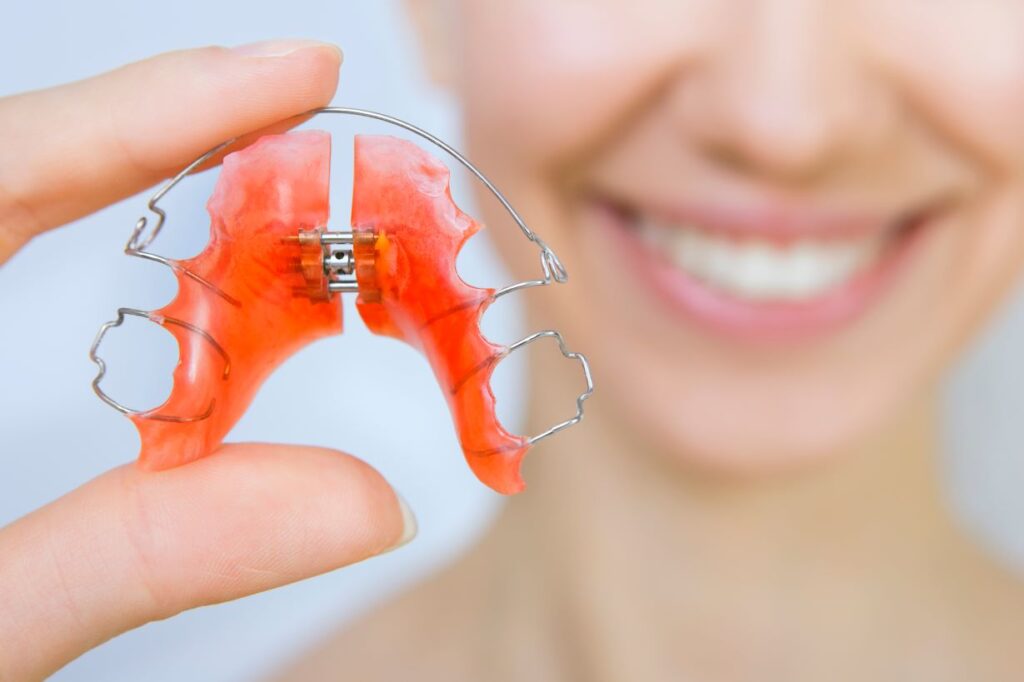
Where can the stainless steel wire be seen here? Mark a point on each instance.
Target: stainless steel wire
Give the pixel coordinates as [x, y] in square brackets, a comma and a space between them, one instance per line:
[571, 355]
[551, 266]
[162, 320]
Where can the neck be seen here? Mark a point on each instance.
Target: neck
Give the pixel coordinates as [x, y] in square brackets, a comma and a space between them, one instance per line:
[664, 570]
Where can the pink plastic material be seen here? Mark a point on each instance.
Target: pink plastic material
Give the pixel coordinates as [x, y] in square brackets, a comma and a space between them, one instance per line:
[256, 313]
[409, 233]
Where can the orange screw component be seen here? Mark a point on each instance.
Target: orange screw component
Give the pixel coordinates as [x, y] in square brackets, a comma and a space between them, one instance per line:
[237, 314]
[408, 233]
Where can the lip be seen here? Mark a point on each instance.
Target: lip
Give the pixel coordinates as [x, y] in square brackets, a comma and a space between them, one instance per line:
[775, 223]
[766, 321]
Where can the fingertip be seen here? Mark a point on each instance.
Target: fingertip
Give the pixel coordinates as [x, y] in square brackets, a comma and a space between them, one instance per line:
[294, 511]
[223, 92]
[299, 62]
[285, 48]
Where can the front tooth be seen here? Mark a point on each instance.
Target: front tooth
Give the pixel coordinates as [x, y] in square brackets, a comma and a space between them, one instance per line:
[757, 270]
[718, 263]
[804, 272]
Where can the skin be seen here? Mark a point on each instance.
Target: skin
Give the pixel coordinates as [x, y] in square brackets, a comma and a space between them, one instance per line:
[691, 529]
[731, 509]
[131, 547]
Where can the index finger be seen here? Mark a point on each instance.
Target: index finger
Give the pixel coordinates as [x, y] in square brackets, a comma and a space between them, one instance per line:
[70, 150]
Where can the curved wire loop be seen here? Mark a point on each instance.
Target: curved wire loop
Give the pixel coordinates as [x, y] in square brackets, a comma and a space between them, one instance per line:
[162, 320]
[571, 355]
[552, 270]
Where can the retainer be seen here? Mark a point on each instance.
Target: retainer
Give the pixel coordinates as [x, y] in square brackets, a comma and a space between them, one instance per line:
[268, 283]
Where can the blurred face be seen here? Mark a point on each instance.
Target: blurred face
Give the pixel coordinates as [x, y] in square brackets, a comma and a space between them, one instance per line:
[781, 219]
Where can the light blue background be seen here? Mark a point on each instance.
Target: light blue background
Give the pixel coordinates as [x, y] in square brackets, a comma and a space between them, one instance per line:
[365, 395]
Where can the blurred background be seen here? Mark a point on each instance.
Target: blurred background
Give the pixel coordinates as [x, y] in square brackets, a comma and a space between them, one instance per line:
[349, 392]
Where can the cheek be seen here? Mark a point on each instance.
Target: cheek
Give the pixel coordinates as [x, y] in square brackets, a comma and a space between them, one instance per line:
[540, 79]
[991, 252]
[962, 66]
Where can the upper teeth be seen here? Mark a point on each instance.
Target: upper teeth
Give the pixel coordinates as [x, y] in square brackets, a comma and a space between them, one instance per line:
[758, 269]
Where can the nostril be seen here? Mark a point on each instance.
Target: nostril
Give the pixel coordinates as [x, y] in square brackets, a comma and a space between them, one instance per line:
[728, 158]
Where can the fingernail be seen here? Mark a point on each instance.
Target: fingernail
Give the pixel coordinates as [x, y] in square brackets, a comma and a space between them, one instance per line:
[281, 48]
[409, 525]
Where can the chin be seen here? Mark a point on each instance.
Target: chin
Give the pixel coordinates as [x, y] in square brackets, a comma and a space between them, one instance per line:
[732, 427]
[755, 442]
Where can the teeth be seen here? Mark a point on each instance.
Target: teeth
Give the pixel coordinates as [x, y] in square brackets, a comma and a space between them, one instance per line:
[759, 270]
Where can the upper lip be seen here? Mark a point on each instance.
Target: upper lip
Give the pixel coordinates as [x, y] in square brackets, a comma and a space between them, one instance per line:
[768, 220]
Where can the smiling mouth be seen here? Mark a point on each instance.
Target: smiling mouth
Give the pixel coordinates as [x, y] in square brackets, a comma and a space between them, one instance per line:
[762, 273]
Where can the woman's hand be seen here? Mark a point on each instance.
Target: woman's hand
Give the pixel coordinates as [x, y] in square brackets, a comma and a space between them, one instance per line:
[130, 547]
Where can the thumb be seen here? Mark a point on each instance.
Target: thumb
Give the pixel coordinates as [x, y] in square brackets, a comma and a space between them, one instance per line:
[131, 546]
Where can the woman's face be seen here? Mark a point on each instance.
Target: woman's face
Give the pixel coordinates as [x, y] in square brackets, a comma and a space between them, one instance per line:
[781, 219]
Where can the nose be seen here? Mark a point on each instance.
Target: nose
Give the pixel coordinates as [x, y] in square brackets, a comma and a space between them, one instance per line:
[778, 93]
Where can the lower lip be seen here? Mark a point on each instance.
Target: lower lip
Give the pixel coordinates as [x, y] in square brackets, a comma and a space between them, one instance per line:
[754, 321]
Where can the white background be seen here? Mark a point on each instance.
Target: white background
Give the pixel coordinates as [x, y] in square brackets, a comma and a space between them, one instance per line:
[358, 393]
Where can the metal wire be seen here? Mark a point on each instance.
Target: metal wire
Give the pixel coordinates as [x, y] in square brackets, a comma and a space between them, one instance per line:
[551, 267]
[162, 320]
[572, 355]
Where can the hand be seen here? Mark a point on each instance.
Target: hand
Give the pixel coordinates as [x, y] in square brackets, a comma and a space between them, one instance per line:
[130, 547]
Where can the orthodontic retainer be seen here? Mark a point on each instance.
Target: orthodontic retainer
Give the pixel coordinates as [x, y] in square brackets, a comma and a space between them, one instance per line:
[268, 284]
